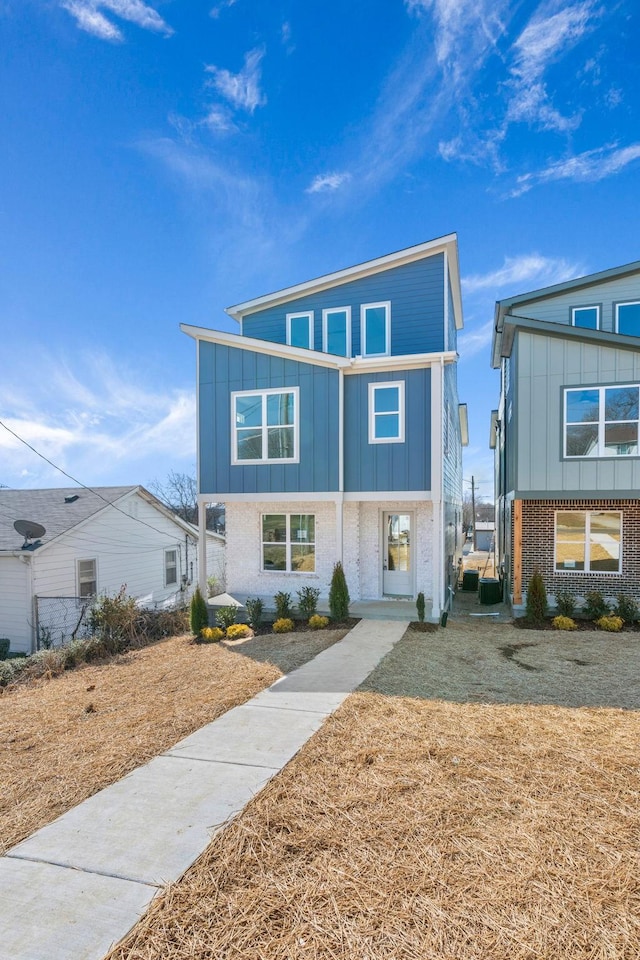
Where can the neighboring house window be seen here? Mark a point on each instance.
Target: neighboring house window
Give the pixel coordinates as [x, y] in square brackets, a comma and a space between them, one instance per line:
[289, 542]
[601, 421]
[87, 578]
[588, 317]
[336, 331]
[265, 426]
[588, 540]
[300, 330]
[386, 412]
[170, 568]
[628, 318]
[375, 323]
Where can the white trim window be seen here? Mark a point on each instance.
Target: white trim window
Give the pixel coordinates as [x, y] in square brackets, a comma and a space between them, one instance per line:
[288, 542]
[171, 567]
[336, 331]
[601, 421]
[386, 412]
[588, 317]
[300, 330]
[588, 541]
[375, 328]
[87, 575]
[265, 426]
[628, 318]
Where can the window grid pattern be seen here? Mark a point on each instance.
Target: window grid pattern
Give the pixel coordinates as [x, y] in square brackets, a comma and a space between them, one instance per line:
[289, 542]
[601, 421]
[265, 426]
[588, 540]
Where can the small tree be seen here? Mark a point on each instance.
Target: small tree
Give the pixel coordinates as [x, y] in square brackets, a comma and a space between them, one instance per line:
[338, 594]
[198, 613]
[536, 599]
[308, 601]
[420, 606]
[282, 603]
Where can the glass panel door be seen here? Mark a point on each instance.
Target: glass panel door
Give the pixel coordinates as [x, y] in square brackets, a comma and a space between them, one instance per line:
[397, 557]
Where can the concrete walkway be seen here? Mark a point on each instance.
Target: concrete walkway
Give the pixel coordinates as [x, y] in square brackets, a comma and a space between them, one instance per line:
[78, 885]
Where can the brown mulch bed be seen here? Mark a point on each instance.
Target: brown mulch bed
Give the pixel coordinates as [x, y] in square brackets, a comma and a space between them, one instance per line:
[63, 739]
[413, 827]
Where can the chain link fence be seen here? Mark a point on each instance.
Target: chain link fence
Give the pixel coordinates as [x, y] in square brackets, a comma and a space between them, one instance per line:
[59, 620]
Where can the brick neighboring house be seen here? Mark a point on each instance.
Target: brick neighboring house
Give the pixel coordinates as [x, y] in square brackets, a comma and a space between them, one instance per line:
[565, 435]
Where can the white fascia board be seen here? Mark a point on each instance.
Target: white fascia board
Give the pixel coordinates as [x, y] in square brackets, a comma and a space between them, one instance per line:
[265, 346]
[406, 361]
[399, 258]
[164, 510]
[454, 280]
[394, 496]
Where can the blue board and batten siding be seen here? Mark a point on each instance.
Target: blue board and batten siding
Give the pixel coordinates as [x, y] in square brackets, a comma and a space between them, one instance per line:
[223, 370]
[388, 466]
[415, 291]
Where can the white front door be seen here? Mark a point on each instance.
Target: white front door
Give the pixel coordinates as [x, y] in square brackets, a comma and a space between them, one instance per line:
[397, 555]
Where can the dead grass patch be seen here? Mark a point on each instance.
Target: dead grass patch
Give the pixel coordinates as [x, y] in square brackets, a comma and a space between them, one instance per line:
[64, 739]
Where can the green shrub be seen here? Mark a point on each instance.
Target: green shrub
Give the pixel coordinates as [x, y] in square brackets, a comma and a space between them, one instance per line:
[308, 601]
[420, 606]
[536, 606]
[282, 602]
[211, 634]
[255, 608]
[5, 644]
[226, 616]
[238, 631]
[339, 594]
[116, 620]
[565, 603]
[564, 623]
[198, 613]
[627, 609]
[283, 625]
[316, 622]
[611, 624]
[595, 606]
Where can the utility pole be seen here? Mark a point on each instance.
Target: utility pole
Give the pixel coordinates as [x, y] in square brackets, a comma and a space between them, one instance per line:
[473, 510]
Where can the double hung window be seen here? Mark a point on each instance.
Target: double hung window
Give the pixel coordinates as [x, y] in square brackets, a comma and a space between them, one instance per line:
[170, 567]
[588, 540]
[265, 426]
[336, 331]
[601, 421]
[628, 318]
[375, 325]
[289, 542]
[87, 578]
[386, 412]
[300, 330]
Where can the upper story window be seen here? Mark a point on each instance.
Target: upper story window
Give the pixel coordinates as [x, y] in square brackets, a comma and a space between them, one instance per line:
[386, 412]
[588, 317]
[300, 330]
[336, 331]
[628, 318]
[588, 540]
[289, 542]
[87, 578]
[265, 426]
[375, 325]
[170, 568]
[601, 421]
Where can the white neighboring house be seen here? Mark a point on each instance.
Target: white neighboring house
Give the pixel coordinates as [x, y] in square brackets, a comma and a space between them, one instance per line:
[95, 541]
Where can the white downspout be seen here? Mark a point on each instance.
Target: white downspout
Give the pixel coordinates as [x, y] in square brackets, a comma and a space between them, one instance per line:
[340, 497]
[437, 446]
[202, 547]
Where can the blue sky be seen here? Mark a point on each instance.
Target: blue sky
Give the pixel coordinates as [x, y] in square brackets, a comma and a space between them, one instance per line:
[164, 159]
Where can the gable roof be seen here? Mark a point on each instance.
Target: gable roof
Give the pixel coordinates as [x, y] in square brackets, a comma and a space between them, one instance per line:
[448, 244]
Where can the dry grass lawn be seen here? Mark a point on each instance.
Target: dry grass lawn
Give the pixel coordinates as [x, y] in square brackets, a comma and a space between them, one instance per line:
[62, 740]
[431, 826]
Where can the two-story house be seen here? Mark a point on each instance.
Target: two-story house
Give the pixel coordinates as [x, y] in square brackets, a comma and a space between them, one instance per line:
[566, 435]
[329, 425]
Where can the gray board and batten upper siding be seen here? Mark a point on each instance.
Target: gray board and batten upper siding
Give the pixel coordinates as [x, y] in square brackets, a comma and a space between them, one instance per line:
[224, 369]
[416, 292]
[557, 309]
[388, 466]
[541, 367]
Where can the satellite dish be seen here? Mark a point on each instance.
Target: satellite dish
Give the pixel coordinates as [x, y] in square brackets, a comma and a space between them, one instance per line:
[30, 530]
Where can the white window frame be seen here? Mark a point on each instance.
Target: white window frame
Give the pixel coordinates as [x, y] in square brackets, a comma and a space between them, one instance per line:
[296, 316]
[80, 581]
[624, 303]
[174, 566]
[325, 328]
[363, 327]
[587, 545]
[288, 543]
[383, 385]
[586, 306]
[602, 453]
[264, 427]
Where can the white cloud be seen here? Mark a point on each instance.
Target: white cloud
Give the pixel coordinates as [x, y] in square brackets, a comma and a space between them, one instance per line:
[526, 269]
[241, 89]
[218, 119]
[328, 182]
[590, 166]
[219, 7]
[473, 341]
[88, 16]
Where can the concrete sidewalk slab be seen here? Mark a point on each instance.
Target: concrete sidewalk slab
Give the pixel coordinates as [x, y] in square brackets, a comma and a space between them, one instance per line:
[96, 869]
